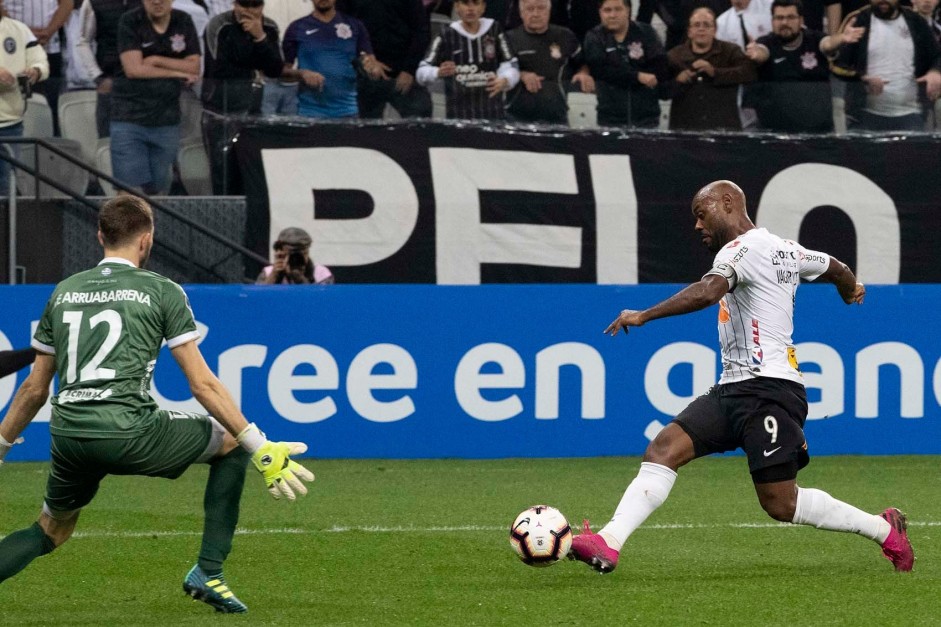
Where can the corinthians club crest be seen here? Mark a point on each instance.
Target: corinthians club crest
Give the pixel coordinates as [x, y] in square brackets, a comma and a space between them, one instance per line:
[555, 51]
[490, 48]
[344, 31]
[635, 50]
[808, 60]
[177, 43]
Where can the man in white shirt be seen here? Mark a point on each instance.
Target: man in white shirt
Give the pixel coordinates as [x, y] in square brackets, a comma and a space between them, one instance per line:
[743, 24]
[759, 404]
[895, 56]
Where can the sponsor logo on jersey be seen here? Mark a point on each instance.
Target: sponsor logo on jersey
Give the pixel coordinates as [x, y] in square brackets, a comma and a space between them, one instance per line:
[636, 50]
[724, 315]
[178, 43]
[104, 296]
[757, 355]
[105, 271]
[82, 395]
[344, 31]
[738, 256]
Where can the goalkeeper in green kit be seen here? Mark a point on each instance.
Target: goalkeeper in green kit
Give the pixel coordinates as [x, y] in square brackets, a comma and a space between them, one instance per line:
[100, 332]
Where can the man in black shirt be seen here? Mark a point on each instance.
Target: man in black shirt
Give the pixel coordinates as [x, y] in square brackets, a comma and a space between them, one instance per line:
[399, 31]
[792, 94]
[159, 51]
[628, 61]
[547, 56]
[240, 44]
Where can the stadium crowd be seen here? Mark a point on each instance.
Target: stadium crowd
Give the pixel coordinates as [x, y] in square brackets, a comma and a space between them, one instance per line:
[776, 65]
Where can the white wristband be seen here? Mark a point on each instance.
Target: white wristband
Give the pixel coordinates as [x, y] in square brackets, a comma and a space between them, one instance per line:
[4, 443]
[250, 438]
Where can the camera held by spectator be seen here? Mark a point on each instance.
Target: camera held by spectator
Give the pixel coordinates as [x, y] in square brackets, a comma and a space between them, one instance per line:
[292, 264]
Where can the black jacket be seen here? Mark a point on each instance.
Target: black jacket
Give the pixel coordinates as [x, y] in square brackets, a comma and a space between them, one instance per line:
[399, 30]
[232, 58]
[851, 61]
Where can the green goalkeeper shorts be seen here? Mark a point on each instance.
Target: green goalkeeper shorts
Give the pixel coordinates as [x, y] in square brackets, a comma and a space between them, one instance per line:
[174, 441]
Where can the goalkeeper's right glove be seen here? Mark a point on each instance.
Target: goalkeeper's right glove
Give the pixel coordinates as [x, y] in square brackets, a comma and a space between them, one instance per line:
[6, 446]
[272, 459]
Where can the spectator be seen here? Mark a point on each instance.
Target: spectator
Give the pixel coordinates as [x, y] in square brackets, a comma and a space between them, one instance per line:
[928, 9]
[24, 61]
[627, 60]
[73, 73]
[706, 74]
[674, 14]
[582, 16]
[45, 18]
[97, 51]
[240, 44]
[199, 13]
[884, 68]
[547, 55]
[399, 31]
[792, 94]
[159, 52]
[558, 15]
[292, 262]
[279, 97]
[328, 46]
[823, 16]
[742, 24]
[475, 60]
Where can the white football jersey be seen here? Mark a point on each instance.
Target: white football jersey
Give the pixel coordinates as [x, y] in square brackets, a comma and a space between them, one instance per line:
[756, 316]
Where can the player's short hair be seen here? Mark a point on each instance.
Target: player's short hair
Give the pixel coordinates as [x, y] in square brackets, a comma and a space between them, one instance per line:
[788, 3]
[123, 218]
[626, 3]
[703, 8]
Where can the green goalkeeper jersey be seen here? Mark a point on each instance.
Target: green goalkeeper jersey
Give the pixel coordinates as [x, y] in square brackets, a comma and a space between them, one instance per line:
[105, 327]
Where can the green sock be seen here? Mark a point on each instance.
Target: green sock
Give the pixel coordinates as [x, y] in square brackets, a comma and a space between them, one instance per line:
[221, 503]
[20, 548]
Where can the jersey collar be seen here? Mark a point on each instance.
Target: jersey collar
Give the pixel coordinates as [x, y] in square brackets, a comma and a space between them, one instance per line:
[119, 260]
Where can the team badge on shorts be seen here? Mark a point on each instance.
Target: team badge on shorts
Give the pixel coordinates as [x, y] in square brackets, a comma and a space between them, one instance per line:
[555, 51]
[177, 43]
[808, 60]
[635, 50]
[490, 48]
[9, 44]
[344, 31]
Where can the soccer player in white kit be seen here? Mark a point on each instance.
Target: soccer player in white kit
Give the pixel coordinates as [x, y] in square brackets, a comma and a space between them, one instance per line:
[760, 403]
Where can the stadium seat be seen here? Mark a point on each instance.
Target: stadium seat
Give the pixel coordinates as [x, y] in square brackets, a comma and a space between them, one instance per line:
[103, 163]
[839, 116]
[77, 120]
[194, 169]
[63, 171]
[439, 107]
[191, 123]
[37, 120]
[583, 111]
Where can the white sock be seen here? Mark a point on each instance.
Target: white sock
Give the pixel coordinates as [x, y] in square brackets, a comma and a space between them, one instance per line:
[649, 489]
[819, 509]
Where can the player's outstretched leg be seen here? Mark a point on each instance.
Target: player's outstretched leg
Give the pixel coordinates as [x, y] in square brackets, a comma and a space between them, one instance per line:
[20, 548]
[819, 509]
[205, 581]
[212, 590]
[896, 547]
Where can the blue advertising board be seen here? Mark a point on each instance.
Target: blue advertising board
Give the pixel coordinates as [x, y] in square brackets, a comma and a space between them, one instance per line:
[419, 371]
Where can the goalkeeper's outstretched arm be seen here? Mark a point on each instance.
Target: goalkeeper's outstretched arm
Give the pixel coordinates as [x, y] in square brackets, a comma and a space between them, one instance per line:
[272, 459]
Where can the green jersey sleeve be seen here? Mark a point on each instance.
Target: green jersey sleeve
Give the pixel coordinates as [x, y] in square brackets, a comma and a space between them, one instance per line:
[179, 325]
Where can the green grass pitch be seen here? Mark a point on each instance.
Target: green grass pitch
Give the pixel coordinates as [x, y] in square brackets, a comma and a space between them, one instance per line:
[425, 543]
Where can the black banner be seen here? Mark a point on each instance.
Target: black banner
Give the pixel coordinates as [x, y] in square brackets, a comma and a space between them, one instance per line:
[450, 202]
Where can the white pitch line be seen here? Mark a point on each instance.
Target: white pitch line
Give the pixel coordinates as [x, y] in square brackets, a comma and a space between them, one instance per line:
[104, 533]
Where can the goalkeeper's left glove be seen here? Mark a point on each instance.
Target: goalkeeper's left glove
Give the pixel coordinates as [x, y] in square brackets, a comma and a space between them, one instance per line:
[6, 446]
[272, 459]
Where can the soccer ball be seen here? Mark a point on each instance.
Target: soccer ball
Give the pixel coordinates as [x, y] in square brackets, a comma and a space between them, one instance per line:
[541, 536]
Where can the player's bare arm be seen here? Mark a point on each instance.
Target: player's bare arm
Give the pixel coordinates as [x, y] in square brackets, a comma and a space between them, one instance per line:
[29, 398]
[704, 293]
[208, 389]
[851, 290]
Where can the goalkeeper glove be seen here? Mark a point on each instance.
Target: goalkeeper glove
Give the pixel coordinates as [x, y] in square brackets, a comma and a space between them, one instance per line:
[6, 446]
[272, 459]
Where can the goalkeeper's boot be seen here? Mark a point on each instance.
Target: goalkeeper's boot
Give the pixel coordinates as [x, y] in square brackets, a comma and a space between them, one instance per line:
[591, 548]
[896, 548]
[212, 590]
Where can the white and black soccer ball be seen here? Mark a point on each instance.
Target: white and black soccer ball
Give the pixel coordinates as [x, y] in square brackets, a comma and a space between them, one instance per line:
[541, 536]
